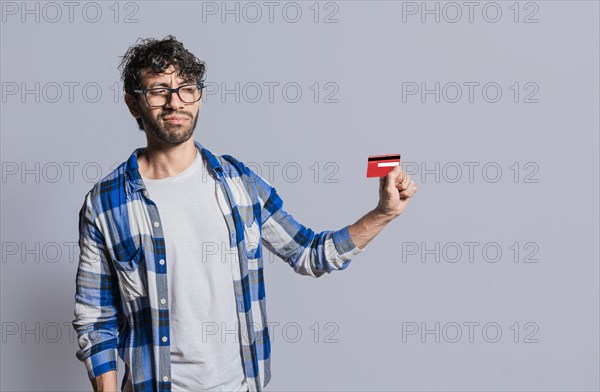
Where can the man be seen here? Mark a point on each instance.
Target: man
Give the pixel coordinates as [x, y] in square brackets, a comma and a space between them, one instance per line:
[147, 286]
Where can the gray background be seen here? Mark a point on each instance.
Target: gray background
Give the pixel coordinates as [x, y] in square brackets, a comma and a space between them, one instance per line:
[550, 209]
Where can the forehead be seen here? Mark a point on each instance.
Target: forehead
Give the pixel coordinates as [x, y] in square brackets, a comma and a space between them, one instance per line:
[147, 77]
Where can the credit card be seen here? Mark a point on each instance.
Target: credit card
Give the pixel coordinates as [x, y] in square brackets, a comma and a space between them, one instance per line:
[381, 165]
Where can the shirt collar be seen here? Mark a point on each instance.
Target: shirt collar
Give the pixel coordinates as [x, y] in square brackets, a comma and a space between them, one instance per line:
[133, 179]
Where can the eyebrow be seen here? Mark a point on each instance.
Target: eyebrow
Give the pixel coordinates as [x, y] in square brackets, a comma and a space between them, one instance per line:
[164, 84]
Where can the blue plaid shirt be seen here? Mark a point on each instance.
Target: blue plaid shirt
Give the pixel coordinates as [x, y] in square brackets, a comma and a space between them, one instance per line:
[122, 273]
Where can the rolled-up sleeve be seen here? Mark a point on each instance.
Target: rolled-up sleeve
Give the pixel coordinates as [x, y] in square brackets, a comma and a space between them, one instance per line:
[96, 298]
[307, 252]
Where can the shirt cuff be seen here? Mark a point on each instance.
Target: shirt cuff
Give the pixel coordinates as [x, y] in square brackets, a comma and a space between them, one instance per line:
[344, 244]
[101, 362]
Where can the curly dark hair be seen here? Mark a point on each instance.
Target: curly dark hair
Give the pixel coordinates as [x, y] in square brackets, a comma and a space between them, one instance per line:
[158, 55]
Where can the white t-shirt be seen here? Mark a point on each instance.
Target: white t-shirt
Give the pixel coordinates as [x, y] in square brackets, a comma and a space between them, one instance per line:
[204, 329]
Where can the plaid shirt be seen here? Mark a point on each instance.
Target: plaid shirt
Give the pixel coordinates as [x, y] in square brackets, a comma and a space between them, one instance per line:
[121, 281]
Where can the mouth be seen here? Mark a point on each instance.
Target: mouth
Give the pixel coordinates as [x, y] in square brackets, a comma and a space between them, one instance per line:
[175, 119]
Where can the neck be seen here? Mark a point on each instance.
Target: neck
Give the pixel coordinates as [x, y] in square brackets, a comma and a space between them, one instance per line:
[161, 161]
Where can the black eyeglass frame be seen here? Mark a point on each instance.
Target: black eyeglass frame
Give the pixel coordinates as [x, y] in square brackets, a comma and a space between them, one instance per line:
[171, 91]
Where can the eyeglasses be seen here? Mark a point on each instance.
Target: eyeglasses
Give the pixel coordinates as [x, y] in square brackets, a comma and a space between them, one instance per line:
[157, 97]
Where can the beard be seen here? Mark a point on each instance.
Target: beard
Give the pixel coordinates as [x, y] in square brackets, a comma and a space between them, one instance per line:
[170, 133]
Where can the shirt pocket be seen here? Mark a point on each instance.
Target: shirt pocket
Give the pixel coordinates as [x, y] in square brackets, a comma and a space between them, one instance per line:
[252, 238]
[131, 273]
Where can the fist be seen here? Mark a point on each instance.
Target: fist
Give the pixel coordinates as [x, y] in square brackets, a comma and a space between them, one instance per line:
[395, 189]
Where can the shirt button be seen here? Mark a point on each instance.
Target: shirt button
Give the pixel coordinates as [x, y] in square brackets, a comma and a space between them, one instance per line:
[164, 338]
[163, 301]
[165, 378]
[161, 261]
[156, 224]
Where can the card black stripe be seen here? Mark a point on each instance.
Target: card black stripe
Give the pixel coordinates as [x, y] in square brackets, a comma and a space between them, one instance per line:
[384, 157]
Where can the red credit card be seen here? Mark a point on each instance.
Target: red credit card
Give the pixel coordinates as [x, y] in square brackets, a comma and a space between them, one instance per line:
[381, 165]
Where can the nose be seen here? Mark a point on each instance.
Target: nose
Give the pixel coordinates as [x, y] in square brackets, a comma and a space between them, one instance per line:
[174, 101]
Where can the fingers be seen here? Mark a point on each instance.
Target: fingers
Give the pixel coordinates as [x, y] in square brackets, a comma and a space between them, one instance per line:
[410, 190]
[397, 180]
[404, 184]
[391, 179]
[401, 180]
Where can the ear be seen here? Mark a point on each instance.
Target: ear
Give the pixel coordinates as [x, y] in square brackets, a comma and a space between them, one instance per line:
[133, 105]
